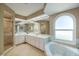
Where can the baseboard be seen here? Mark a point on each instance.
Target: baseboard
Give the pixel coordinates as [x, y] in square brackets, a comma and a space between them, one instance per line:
[6, 51]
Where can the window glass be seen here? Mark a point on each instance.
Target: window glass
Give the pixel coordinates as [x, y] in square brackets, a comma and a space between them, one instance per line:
[64, 35]
[64, 22]
[64, 28]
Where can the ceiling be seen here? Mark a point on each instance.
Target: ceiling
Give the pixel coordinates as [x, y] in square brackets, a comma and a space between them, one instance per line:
[25, 9]
[32, 20]
[52, 8]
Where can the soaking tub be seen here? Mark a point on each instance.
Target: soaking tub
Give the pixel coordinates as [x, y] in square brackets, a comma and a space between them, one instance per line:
[56, 49]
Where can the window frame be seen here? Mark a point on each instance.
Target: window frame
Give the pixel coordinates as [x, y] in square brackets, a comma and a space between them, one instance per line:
[74, 29]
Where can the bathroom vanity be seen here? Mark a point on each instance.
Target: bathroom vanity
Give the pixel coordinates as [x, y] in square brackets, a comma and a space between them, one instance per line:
[36, 40]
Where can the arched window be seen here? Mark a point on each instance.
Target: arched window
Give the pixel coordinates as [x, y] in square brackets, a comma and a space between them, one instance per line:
[64, 28]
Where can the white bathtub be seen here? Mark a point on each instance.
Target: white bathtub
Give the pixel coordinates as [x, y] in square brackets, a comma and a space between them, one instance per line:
[55, 49]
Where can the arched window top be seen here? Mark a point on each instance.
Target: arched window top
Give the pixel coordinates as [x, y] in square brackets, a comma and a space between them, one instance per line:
[64, 22]
[65, 27]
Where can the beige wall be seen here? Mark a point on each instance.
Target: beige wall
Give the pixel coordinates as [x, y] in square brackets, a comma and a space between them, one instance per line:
[1, 32]
[3, 7]
[74, 12]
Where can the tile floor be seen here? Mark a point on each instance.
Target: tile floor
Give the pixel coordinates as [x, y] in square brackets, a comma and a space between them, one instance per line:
[25, 50]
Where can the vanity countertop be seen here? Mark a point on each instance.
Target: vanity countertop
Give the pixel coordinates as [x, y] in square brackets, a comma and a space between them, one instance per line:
[33, 34]
[39, 35]
[20, 33]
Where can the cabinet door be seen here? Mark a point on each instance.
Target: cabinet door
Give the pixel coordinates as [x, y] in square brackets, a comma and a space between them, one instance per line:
[33, 41]
[26, 38]
[41, 43]
[19, 39]
[37, 42]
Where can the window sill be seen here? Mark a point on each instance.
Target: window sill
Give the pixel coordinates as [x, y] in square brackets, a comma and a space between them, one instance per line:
[69, 43]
